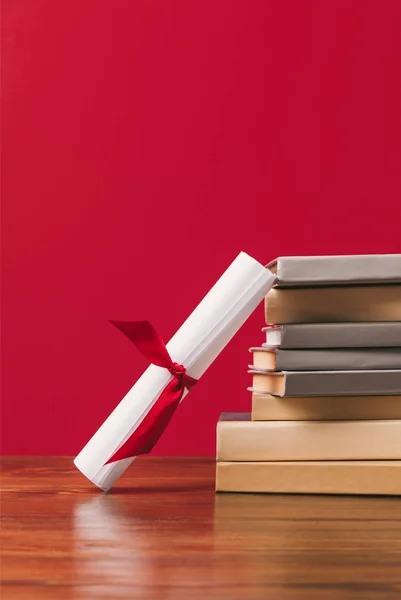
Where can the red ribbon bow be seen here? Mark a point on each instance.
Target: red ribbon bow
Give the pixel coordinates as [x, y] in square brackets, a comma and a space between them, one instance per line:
[149, 342]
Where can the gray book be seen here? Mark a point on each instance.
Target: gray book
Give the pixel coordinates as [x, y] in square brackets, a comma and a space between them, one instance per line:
[328, 383]
[334, 335]
[344, 359]
[337, 270]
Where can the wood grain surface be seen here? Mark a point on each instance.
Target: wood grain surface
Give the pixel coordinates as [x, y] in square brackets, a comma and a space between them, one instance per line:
[162, 533]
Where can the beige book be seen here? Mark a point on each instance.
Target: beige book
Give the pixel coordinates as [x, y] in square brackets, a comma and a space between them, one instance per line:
[319, 477]
[324, 408]
[332, 304]
[241, 439]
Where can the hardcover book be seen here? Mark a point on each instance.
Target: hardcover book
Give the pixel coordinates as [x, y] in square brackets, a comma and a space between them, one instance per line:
[241, 439]
[314, 477]
[273, 359]
[334, 335]
[333, 304]
[328, 383]
[337, 270]
[266, 407]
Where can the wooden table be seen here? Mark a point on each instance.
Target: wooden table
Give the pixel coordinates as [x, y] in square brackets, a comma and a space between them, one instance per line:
[162, 533]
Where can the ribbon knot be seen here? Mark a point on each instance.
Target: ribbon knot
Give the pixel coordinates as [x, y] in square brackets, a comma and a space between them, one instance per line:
[177, 370]
[148, 432]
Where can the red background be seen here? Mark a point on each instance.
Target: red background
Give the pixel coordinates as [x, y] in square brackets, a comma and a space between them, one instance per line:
[145, 143]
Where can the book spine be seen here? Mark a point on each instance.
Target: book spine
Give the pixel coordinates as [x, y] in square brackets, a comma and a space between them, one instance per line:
[337, 477]
[338, 360]
[333, 304]
[250, 441]
[343, 383]
[341, 335]
[339, 408]
[339, 270]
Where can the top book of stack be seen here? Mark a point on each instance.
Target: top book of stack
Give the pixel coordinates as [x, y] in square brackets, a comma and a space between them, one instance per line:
[310, 271]
[328, 289]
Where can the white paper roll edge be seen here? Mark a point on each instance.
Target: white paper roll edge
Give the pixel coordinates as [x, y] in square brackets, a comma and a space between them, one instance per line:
[195, 345]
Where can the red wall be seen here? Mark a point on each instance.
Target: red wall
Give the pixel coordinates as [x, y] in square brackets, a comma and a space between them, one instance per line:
[145, 143]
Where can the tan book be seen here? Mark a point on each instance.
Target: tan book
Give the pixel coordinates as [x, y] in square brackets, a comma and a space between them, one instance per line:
[319, 477]
[241, 439]
[328, 383]
[324, 408]
[333, 304]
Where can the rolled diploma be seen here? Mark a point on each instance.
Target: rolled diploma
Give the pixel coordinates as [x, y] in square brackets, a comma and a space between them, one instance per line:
[195, 345]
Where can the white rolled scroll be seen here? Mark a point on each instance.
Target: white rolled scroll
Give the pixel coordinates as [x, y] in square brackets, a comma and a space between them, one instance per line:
[195, 345]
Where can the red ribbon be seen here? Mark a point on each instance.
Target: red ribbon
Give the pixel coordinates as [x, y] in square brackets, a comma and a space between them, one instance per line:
[149, 342]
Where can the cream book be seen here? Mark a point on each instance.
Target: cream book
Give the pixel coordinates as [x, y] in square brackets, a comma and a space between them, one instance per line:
[241, 439]
[266, 407]
[314, 477]
[333, 304]
[328, 383]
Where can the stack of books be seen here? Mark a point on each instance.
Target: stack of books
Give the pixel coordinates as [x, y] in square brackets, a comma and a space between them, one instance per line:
[326, 391]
